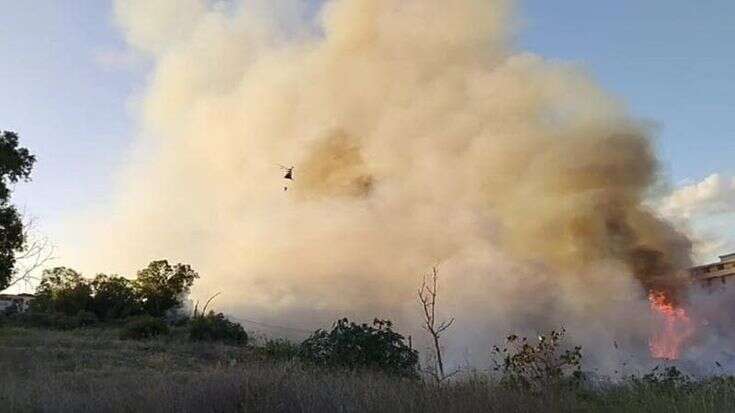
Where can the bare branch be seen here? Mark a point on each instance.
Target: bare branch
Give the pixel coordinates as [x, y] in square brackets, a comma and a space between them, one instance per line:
[36, 254]
[427, 295]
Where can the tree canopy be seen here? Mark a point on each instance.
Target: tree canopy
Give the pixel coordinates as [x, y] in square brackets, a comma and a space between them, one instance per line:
[16, 164]
[162, 285]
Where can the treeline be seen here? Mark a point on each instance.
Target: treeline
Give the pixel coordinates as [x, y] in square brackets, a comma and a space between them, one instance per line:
[157, 291]
[146, 306]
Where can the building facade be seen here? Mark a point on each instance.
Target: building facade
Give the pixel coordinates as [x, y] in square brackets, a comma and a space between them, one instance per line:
[15, 302]
[718, 271]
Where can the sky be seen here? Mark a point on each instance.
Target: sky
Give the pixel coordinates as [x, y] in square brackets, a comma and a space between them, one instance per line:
[66, 84]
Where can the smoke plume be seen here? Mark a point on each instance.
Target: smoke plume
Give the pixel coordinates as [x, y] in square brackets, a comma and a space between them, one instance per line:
[420, 136]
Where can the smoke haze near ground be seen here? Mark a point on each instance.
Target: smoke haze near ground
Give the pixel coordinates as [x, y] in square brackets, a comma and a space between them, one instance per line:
[420, 136]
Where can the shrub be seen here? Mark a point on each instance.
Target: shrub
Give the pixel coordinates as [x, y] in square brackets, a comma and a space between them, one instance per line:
[216, 327]
[355, 346]
[280, 349]
[540, 366]
[144, 328]
[56, 321]
[86, 318]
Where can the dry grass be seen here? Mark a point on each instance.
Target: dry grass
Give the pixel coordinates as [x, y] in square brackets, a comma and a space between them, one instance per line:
[92, 371]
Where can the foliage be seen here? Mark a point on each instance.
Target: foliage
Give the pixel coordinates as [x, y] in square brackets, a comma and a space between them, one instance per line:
[667, 376]
[161, 286]
[143, 328]
[53, 321]
[114, 298]
[664, 380]
[86, 318]
[62, 290]
[158, 290]
[541, 366]
[15, 165]
[216, 327]
[353, 346]
[280, 349]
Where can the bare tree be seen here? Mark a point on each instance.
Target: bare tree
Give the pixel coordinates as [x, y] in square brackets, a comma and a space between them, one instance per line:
[427, 294]
[37, 252]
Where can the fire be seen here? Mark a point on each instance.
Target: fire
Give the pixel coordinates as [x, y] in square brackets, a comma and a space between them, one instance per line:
[676, 329]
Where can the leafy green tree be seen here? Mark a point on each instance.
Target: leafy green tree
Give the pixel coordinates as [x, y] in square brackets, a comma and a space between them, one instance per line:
[353, 346]
[114, 297]
[62, 290]
[15, 165]
[162, 287]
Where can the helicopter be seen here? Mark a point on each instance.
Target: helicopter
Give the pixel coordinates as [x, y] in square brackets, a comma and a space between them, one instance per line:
[288, 175]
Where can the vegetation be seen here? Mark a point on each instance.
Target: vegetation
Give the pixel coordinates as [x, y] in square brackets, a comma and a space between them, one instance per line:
[66, 300]
[114, 298]
[16, 164]
[92, 370]
[541, 366]
[161, 286]
[280, 349]
[361, 346]
[62, 290]
[158, 290]
[144, 328]
[216, 327]
[427, 295]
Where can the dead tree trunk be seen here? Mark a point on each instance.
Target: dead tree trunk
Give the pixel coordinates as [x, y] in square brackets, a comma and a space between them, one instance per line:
[427, 297]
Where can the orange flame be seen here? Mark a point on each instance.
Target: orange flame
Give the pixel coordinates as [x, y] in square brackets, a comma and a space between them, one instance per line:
[676, 329]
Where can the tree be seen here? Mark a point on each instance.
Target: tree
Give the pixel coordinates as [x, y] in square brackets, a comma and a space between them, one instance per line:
[62, 290]
[114, 297]
[162, 286]
[354, 346]
[37, 252]
[15, 165]
[427, 297]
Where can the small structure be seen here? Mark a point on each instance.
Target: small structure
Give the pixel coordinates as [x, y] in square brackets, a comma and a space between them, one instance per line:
[719, 270]
[15, 302]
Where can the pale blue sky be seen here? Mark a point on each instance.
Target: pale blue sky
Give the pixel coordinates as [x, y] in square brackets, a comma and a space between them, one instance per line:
[672, 60]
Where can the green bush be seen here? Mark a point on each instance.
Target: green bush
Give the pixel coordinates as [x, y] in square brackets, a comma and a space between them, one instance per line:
[144, 328]
[216, 327]
[280, 349]
[54, 321]
[354, 346]
[86, 318]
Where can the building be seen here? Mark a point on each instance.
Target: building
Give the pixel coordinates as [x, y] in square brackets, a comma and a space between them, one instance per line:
[13, 302]
[719, 271]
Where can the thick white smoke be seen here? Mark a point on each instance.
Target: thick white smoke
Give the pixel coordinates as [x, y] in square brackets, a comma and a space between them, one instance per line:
[420, 136]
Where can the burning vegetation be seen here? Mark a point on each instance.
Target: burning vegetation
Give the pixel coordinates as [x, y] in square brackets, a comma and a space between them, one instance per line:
[674, 330]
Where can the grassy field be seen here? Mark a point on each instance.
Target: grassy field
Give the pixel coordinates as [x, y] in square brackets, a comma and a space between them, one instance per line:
[91, 370]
